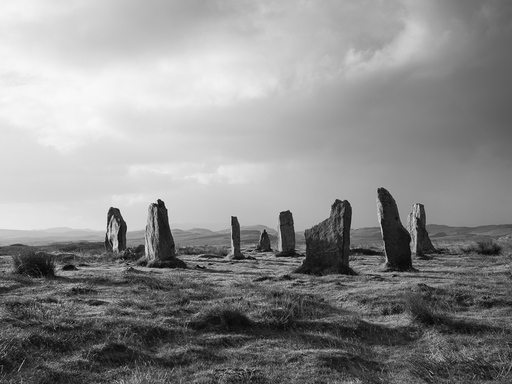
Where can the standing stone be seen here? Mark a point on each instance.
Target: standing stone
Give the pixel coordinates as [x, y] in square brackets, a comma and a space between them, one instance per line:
[236, 253]
[417, 227]
[286, 235]
[264, 243]
[328, 243]
[396, 238]
[159, 244]
[115, 238]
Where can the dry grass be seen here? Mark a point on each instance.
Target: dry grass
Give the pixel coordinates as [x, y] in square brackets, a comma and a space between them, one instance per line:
[217, 250]
[253, 321]
[34, 264]
[487, 247]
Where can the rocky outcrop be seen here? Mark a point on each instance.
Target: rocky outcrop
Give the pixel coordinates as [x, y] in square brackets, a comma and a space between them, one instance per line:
[286, 235]
[115, 238]
[159, 244]
[328, 243]
[236, 253]
[396, 238]
[417, 227]
[264, 243]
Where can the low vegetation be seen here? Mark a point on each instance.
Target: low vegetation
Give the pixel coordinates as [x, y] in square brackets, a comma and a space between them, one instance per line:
[253, 321]
[216, 250]
[486, 247]
[34, 264]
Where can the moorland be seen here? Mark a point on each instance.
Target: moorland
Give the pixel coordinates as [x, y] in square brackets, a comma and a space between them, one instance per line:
[105, 319]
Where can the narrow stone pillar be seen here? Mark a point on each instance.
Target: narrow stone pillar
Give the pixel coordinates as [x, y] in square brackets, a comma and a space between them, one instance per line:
[115, 237]
[159, 243]
[264, 243]
[395, 237]
[286, 235]
[417, 227]
[236, 253]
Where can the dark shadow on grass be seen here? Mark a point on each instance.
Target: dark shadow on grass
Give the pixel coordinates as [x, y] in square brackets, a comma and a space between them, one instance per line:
[425, 311]
[222, 319]
[114, 354]
[367, 371]
[454, 325]
[368, 333]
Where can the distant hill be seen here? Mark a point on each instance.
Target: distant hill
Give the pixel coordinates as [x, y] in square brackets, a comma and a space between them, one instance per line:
[47, 236]
[439, 233]
[194, 236]
[249, 235]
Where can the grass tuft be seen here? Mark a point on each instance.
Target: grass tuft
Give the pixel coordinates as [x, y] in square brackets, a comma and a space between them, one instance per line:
[215, 250]
[423, 311]
[34, 264]
[284, 309]
[220, 316]
[486, 247]
[112, 353]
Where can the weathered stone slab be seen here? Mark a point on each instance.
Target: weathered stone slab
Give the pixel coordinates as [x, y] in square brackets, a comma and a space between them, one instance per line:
[159, 243]
[236, 253]
[264, 243]
[396, 238]
[115, 237]
[286, 234]
[328, 243]
[417, 227]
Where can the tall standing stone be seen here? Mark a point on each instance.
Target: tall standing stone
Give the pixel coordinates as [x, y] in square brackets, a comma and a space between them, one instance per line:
[264, 243]
[235, 253]
[417, 227]
[115, 237]
[159, 243]
[328, 243]
[286, 234]
[396, 238]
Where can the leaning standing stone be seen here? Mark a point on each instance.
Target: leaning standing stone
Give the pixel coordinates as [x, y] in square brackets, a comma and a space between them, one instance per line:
[286, 235]
[235, 253]
[159, 243]
[115, 238]
[396, 238]
[264, 243]
[417, 227]
[328, 243]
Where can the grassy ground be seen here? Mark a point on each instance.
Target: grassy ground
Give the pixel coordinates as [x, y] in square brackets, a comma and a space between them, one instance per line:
[253, 321]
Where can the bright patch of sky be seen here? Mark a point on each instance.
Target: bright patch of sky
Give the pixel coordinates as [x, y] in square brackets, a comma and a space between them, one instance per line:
[247, 108]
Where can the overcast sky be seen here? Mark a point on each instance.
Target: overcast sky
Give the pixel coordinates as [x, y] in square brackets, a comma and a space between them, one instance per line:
[249, 107]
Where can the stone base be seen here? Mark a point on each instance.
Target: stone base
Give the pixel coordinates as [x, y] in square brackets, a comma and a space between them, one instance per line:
[236, 256]
[288, 254]
[322, 271]
[387, 267]
[170, 263]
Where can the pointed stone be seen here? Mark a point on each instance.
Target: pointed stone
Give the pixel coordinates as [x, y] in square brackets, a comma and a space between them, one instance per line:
[115, 237]
[417, 227]
[396, 238]
[236, 253]
[264, 243]
[159, 243]
[328, 243]
[286, 234]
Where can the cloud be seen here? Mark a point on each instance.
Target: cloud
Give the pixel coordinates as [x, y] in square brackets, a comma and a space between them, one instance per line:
[159, 54]
[129, 199]
[202, 174]
[205, 99]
